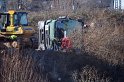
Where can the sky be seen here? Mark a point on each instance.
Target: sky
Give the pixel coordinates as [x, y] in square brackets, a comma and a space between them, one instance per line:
[122, 6]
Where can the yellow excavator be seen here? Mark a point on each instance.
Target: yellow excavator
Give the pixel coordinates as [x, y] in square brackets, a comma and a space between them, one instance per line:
[15, 30]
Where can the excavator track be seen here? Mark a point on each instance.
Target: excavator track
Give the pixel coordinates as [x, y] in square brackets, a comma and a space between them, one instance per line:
[4, 44]
[19, 42]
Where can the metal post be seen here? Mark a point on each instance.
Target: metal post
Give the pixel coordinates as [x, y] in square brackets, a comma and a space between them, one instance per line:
[117, 4]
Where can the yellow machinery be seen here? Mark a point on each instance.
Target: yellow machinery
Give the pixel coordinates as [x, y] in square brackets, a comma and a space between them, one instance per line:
[14, 29]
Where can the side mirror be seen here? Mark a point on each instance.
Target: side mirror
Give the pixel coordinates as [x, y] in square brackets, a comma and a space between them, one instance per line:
[81, 21]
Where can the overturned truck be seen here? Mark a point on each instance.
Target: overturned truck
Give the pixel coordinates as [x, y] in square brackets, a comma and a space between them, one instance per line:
[53, 34]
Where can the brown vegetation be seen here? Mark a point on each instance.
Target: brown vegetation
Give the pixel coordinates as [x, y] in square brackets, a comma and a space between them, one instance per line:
[33, 66]
[18, 67]
[105, 38]
[48, 66]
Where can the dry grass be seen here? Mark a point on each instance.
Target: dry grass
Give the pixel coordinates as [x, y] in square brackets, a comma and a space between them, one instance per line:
[37, 66]
[105, 38]
[18, 67]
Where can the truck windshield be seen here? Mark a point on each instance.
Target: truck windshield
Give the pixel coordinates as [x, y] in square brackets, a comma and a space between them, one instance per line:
[68, 24]
[20, 18]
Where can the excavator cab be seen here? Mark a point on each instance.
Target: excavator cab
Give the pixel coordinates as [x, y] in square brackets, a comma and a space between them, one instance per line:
[20, 18]
[10, 23]
[15, 23]
[14, 26]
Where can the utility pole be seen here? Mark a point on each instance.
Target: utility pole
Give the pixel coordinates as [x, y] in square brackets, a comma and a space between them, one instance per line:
[117, 4]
